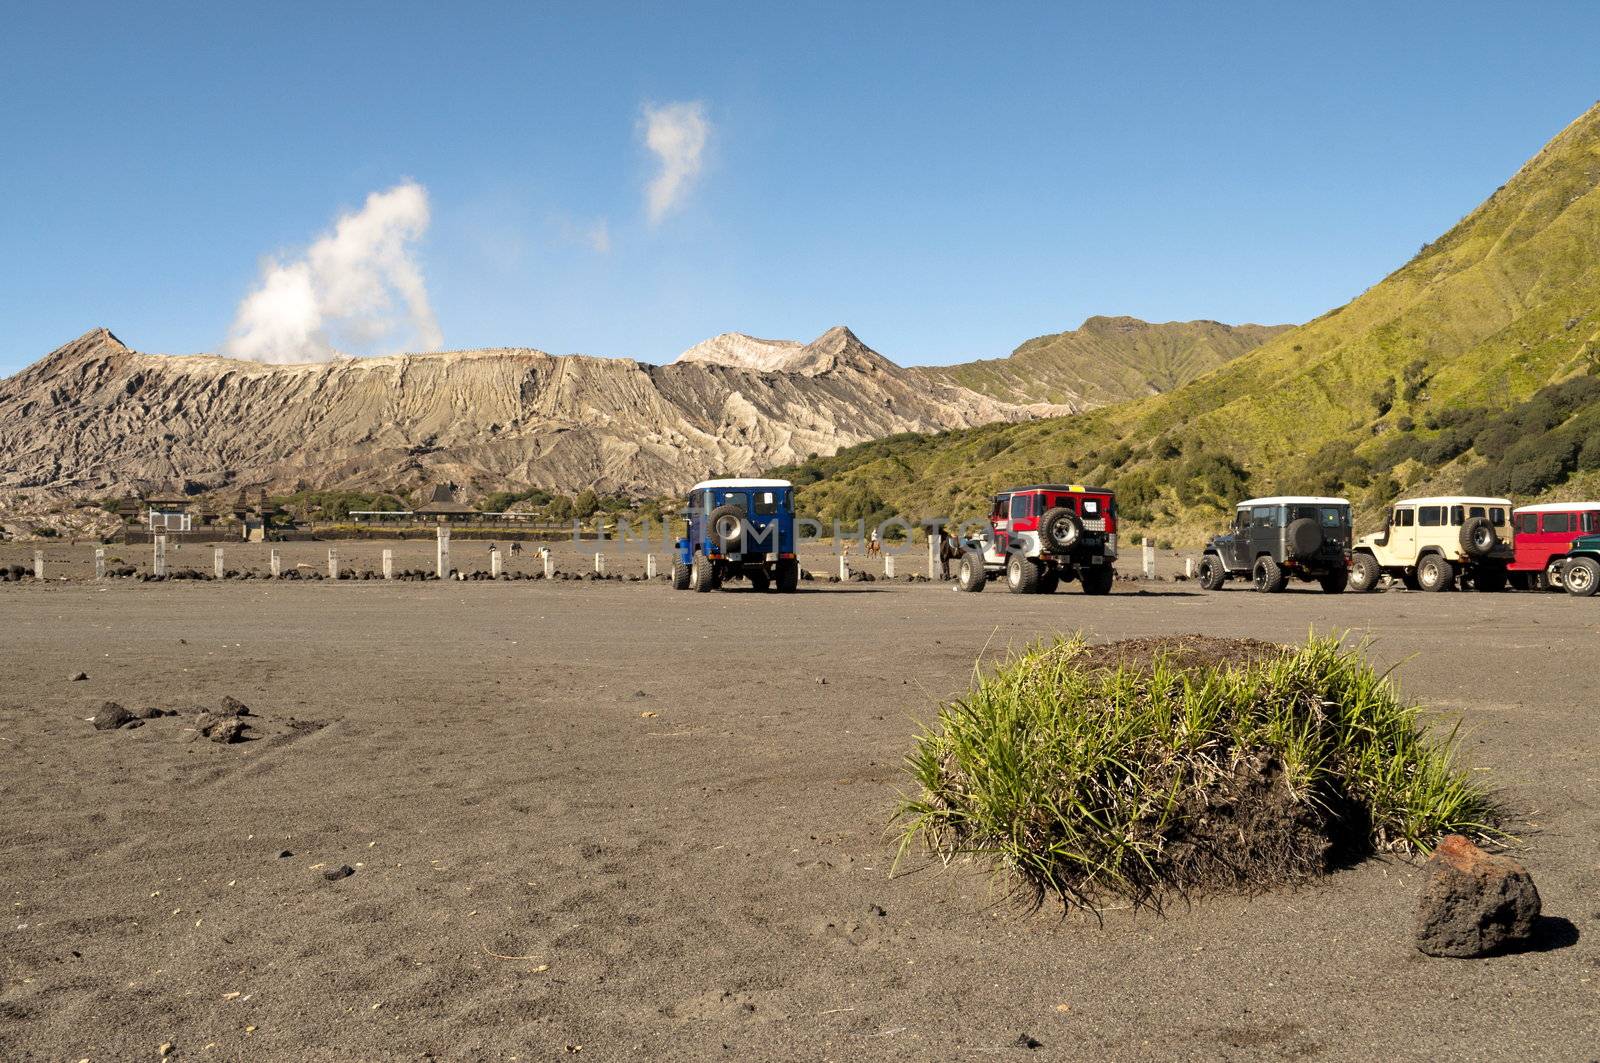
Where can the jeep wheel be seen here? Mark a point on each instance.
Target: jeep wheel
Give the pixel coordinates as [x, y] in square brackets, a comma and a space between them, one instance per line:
[1581, 576]
[1049, 580]
[788, 575]
[1434, 573]
[1212, 575]
[1061, 528]
[970, 573]
[1022, 575]
[680, 576]
[1478, 537]
[725, 527]
[702, 574]
[758, 579]
[1552, 577]
[1365, 574]
[1302, 538]
[1268, 576]
[1335, 582]
[1098, 579]
[1490, 579]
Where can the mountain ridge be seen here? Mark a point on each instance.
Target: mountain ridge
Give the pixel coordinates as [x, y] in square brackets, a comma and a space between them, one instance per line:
[1107, 360]
[95, 415]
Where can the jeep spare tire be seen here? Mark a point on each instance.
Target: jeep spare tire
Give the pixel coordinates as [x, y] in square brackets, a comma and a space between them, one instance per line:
[726, 527]
[970, 575]
[1478, 537]
[1303, 538]
[1060, 528]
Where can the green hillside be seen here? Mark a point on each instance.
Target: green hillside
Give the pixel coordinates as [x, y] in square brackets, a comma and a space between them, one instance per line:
[1476, 364]
[1107, 360]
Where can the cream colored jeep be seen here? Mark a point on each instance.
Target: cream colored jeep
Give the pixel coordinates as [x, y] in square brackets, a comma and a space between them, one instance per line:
[1431, 543]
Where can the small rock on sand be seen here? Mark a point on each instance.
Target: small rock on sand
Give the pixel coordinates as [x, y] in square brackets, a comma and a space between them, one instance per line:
[228, 730]
[1474, 903]
[232, 706]
[77, 677]
[111, 716]
[337, 873]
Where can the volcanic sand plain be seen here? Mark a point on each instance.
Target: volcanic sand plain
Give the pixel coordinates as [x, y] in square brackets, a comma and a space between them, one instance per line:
[608, 820]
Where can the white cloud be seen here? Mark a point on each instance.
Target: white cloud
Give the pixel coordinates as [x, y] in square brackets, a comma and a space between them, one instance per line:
[357, 289]
[676, 133]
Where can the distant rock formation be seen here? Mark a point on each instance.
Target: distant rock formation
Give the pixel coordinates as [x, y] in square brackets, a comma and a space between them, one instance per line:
[96, 418]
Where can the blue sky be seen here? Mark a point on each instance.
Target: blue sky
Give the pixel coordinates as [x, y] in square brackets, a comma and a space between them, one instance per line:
[948, 180]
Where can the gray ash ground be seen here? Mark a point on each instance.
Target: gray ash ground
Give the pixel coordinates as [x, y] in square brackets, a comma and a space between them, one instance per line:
[539, 862]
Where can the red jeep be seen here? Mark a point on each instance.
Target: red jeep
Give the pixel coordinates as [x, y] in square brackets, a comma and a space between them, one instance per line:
[1544, 534]
[1043, 534]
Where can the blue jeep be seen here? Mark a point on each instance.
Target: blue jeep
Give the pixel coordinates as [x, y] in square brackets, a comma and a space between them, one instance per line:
[738, 528]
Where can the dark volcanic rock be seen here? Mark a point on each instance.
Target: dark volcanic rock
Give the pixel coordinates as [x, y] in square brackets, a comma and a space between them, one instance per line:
[111, 716]
[1474, 903]
[232, 706]
[337, 873]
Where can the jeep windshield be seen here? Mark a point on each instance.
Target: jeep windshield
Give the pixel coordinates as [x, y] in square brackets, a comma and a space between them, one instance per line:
[1325, 516]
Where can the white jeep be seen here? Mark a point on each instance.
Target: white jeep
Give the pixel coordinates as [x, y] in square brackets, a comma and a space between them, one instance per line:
[1430, 543]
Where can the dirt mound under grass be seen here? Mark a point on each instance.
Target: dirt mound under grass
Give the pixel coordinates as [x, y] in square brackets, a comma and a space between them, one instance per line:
[1140, 769]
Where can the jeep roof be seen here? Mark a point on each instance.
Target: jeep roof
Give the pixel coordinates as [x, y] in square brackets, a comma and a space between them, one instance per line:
[740, 482]
[1077, 489]
[1559, 507]
[1294, 500]
[1454, 500]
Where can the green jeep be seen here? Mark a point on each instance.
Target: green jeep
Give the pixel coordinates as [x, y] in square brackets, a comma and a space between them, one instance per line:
[1581, 571]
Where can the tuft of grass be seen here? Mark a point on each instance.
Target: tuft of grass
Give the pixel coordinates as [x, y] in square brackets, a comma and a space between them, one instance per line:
[1092, 776]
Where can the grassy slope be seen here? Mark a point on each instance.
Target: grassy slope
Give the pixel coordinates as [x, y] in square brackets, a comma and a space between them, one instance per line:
[1107, 360]
[1504, 303]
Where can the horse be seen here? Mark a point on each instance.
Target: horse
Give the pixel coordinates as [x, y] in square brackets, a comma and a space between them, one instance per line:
[949, 550]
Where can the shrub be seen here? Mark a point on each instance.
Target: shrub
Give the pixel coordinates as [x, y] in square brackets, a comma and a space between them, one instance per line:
[1136, 492]
[1383, 397]
[1131, 770]
[1211, 477]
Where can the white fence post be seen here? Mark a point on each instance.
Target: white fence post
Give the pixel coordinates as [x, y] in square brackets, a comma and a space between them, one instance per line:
[442, 556]
[933, 556]
[649, 566]
[38, 564]
[888, 566]
[1149, 559]
[158, 560]
[599, 563]
[99, 562]
[844, 568]
[1188, 568]
[494, 562]
[216, 563]
[275, 563]
[549, 562]
[333, 562]
[388, 563]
